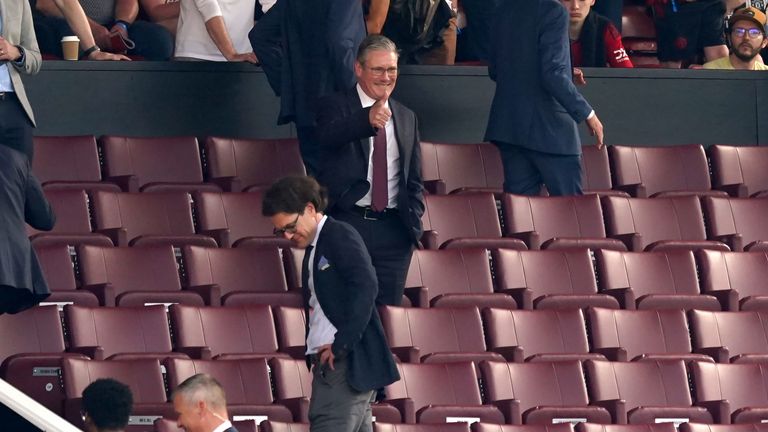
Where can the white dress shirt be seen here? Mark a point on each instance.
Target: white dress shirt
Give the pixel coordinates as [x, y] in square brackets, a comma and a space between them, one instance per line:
[5, 76]
[321, 331]
[192, 39]
[222, 427]
[393, 157]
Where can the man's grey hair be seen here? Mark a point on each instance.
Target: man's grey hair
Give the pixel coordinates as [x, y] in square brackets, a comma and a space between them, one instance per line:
[375, 42]
[202, 387]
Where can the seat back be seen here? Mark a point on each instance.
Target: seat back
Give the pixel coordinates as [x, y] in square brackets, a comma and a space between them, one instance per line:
[238, 212]
[488, 427]
[658, 427]
[66, 158]
[434, 330]
[462, 165]
[272, 426]
[650, 383]
[745, 272]
[57, 266]
[130, 269]
[546, 272]
[168, 213]
[72, 213]
[42, 332]
[702, 427]
[445, 427]
[671, 272]
[661, 169]
[462, 215]
[255, 162]
[153, 160]
[143, 377]
[450, 271]
[745, 216]
[291, 377]
[740, 165]
[743, 385]
[245, 381]
[290, 323]
[563, 216]
[596, 171]
[741, 332]
[436, 384]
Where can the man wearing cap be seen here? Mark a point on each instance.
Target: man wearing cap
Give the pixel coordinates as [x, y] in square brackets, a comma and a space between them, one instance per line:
[747, 39]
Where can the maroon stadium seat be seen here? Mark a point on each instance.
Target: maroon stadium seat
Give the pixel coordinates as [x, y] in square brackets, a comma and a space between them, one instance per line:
[540, 393]
[741, 278]
[740, 171]
[445, 427]
[291, 338]
[596, 172]
[639, 36]
[58, 269]
[73, 221]
[700, 427]
[739, 222]
[488, 427]
[550, 279]
[452, 168]
[653, 280]
[242, 164]
[734, 393]
[271, 426]
[736, 337]
[657, 427]
[69, 162]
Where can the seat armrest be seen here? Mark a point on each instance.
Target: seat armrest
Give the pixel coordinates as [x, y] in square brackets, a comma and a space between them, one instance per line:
[196, 352]
[119, 236]
[435, 187]
[419, 296]
[618, 354]
[729, 299]
[128, 183]
[523, 297]
[531, 238]
[407, 354]
[93, 352]
[637, 190]
[104, 292]
[734, 241]
[227, 184]
[625, 297]
[720, 410]
[719, 354]
[738, 190]
[511, 410]
[210, 293]
[514, 354]
[406, 407]
[633, 241]
[616, 407]
[298, 406]
[221, 235]
[429, 240]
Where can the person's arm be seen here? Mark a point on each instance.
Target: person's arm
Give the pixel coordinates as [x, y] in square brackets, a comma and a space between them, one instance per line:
[614, 48]
[346, 29]
[335, 129]
[160, 10]
[126, 10]
[24, 57]
[37, 210]
[217, 30]
[78, 22]
[377, 15]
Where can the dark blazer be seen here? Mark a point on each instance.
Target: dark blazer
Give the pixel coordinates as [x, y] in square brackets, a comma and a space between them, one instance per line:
[536, 104]
[343, 132]
[21, 200]
[346, 288]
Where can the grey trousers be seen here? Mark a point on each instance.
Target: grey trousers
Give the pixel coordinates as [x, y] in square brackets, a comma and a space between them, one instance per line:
[335, 406]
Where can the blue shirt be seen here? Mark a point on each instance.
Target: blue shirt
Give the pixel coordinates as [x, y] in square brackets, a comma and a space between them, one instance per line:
[5, 76]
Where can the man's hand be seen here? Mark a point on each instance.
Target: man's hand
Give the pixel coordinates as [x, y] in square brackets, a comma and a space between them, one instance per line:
[596, 130]
[244, 57]
[326, 356]
[120, 29]
[379, 114]
[101, 35]
[578, 77]
[8, 51]
[101, 55]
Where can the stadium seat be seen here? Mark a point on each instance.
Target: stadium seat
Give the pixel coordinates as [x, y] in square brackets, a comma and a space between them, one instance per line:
[245, 164]
[133, 276]
[740, 171]
[224, 332]
[464, 220]
[656, 427]
[453, 278]
[740, 278]
[639, 36]
[658, 223]
[735, 337]
[596, 172]
[738, 222]
[700, 427]
[540, 393]
[661, 171]
[246, 383]
[557, 222]
[156, 164]
[641, 392]
[147, 219]
[445, 427]
[641, 334]
[734, 393]
[542, 335]
[271, 426]
[73, 221]
[436, 335]
[291, 328]
[59, 272]
[488, 427]
[455, 168]
[653, 280]
[234, 219]
[550, 279]
[432, 392]
[69, 162]
[241, 276]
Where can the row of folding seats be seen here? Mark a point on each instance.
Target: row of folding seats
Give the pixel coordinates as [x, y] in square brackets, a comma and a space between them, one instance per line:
[133, 164]
[270, 426]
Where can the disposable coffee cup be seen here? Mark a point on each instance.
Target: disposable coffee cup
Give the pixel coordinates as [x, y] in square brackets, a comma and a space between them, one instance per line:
[70, 46]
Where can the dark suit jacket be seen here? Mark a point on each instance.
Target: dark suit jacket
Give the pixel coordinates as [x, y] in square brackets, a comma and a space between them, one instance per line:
[343, 132]
[346, 288]
[21, 200]
[307, 49]
[536, 104]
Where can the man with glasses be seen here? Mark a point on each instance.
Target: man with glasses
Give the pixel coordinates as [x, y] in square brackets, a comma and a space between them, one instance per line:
[201, 405]
[346, 347]
[747, 39]
[371, 164]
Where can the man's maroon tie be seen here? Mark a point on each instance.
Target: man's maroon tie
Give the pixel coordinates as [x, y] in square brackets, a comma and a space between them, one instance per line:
[379, 188]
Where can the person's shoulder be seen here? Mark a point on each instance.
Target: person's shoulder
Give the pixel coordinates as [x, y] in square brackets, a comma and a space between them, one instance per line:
[760, 66]
[336, 230]
[337, 97]
[721, 63]
[395, 105]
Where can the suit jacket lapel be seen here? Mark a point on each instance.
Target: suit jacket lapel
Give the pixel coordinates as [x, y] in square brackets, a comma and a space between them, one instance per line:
[404, 141]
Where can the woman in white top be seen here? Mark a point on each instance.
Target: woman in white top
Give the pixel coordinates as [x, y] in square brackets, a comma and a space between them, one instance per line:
[215, 30]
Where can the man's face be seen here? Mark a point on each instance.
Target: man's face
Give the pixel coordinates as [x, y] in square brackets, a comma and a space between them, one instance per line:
[578, 9]
[300, 228]
[747, 39]
[189, 415]
[377, 76]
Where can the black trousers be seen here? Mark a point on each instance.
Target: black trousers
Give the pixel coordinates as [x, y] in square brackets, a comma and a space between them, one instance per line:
[526, 170]
[15, 126]
[389, 244]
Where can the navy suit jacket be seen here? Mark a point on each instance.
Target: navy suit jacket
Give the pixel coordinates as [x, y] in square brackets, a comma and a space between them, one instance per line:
[343, 132]
[346, 288]
[536, 104]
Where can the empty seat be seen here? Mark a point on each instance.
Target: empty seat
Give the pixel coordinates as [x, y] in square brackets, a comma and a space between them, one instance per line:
[740, 171]
[453, 278]
[73, 221]
[700, 427]
[739, 222]
[649, 390]
[557, 222]
[224, 332]
[291, 331]
[653, 280]
[657, 427]
[488, 427]
[596, 172]
[133, 276]
[244, 164]
[431, 392]
[661, 171]
[738, 337]
[69, 162]
[452, 168]
[117, 333]
[58, 268]
[639, 36]
[445, 427]
[551, 279]
[271, 426]
[234, 219]
[464, 220]
[540, 393]
[734, 393]
[143, 219]
[241, 276]
[154, 164]
[741, 278]
[641, 334]
[436, 335]
[543, 335]
[143, 377]
[659, 223]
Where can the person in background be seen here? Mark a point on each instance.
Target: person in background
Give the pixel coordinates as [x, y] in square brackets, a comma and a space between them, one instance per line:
[107, 405]
[201, 405]
[747, 34]
[215, 30]
[595, 41]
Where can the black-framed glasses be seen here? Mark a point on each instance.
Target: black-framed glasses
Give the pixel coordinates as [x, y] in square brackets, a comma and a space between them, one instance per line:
[753, 33]
[288, 229]
[379, 71]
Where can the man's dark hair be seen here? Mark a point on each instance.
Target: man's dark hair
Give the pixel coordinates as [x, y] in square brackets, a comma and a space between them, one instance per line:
[291, 194]
[108, 403]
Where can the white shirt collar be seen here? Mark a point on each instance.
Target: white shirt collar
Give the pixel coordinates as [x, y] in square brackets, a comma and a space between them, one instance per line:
[319, 228]
[366, 100]
[222, 427]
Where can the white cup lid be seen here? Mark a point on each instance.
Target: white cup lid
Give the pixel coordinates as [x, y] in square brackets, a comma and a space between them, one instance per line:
[70, 39]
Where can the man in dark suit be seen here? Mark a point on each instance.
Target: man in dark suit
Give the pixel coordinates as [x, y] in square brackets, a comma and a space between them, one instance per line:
[371, 165]
[346, 346]
[307, 50]
[201, 405]
[21, 201]
[536, 106]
